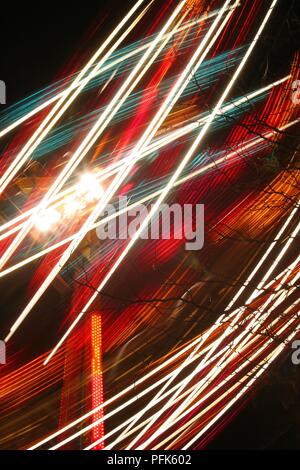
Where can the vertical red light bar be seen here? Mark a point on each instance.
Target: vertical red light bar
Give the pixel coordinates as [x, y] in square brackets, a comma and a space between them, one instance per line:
[97, 378]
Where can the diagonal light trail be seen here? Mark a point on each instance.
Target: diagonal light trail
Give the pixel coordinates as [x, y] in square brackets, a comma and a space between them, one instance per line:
[117, 396]
[139, 382]
[172, 97]
[61, 106]
[120, 97]
[180, 168]
[172, 180]
[195, 384]
[225, 394]
[158, 144]
[205, 382]
[267, 363]
[147, 198]
[204, 398]
[220, 365]
[148, 135]
[114, 63]
[240, 311]
[171, 403]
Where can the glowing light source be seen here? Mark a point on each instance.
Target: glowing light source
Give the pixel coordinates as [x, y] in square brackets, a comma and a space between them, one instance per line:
[71, 206]
[89, 188]
[45, 221]
[97, 379]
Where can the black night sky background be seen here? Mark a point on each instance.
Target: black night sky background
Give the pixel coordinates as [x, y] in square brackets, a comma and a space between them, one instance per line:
[40, 42]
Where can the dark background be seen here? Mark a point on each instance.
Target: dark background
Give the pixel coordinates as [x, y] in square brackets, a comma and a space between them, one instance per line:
[39, 44]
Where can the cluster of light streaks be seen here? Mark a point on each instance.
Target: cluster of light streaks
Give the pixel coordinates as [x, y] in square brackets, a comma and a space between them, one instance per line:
[218, 354]
[150, 139]
[139, 147]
